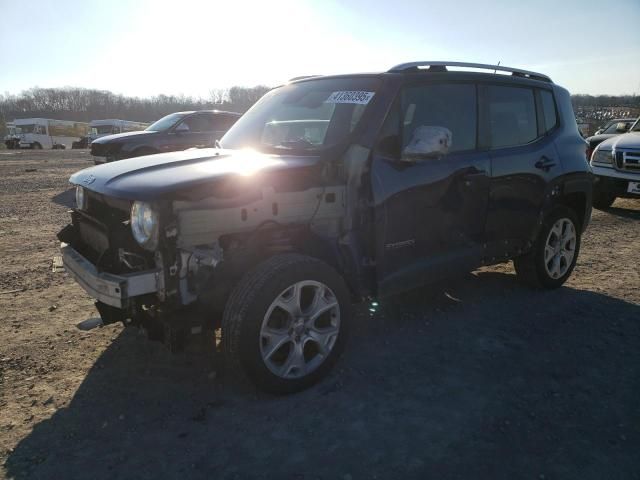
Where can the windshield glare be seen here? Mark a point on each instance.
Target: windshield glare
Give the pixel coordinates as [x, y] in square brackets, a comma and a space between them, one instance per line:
[305, 116]
[165, 123]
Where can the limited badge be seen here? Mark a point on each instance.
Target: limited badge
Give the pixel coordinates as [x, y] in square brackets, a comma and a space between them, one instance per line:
[356, 97]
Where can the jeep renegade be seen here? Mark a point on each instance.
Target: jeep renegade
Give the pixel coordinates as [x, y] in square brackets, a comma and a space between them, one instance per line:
[331, 190]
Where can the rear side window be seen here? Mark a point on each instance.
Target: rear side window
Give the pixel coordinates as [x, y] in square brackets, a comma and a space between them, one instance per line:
[199, 123]
[223, 122]
[440, 108]
[548, 110]
[511, 115]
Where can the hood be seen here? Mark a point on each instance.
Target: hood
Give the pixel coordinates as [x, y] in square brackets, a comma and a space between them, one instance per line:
[120, 136]
[176, 175]
[629, 140]
[596, 139]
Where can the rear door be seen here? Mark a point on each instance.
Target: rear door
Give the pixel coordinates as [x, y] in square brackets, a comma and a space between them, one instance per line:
[524, 161]
[430, 213]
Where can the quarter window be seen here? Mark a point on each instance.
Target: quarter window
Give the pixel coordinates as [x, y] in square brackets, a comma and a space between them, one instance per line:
[442, 110]
[512, 116]
[548, 110]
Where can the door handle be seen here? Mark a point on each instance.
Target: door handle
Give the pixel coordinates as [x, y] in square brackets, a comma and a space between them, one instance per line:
[545, 164]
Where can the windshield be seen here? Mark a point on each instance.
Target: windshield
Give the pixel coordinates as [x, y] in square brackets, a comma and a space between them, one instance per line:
[165, 123]
[102, 129]
[613, 128]
[27, 128]
[306, 116]
[636, 126]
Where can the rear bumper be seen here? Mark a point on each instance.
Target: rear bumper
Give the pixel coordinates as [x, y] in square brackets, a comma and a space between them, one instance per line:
[108, 288]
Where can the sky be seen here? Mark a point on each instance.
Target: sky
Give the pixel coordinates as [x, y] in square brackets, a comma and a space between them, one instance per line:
[148, 47]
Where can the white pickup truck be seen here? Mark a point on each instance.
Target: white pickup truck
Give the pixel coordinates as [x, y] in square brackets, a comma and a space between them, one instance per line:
[616, 166]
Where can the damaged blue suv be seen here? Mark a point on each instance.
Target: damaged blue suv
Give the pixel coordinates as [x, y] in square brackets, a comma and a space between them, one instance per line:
[331, 190]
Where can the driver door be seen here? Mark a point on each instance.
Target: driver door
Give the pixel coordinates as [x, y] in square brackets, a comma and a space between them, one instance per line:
[429, 212]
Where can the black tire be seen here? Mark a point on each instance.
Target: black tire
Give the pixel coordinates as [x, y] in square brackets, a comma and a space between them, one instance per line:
[245, 311]
[530, 267]
[36, 146]
[603, 200]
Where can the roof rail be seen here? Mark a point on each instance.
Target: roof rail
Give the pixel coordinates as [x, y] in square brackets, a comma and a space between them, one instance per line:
[442, 66]
[302, 77]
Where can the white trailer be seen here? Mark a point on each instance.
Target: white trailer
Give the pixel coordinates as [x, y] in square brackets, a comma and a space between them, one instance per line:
[111, 126]
[48, 133]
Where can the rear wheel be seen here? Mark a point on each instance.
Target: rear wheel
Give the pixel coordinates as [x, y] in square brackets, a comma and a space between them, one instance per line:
[285, 323]
[602, 200]
[553, 257]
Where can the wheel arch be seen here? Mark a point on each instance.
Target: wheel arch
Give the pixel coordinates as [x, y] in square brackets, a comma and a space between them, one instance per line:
[244, 252]
[577, 193]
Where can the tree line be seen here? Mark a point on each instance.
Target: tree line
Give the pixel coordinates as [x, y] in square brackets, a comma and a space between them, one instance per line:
[84, 104]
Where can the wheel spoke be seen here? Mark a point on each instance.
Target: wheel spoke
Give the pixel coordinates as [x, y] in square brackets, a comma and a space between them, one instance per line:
[321, 304]
[548, 253]
[295, 360]
[555, 266]
[290, 300]
[323, 338]
[277, 339]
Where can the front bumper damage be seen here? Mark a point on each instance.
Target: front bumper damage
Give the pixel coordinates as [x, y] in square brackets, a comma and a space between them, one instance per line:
[113, 290]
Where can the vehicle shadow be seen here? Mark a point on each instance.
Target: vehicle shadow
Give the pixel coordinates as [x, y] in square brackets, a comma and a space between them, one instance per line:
[474, 375]
[66, 198]
[624, 212]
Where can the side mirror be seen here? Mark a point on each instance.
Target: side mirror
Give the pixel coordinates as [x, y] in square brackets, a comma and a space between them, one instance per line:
[427, 142]
[621, 127]
[182, 128]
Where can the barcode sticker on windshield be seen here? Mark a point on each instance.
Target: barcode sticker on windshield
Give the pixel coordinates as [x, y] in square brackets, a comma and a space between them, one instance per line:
[361, 98]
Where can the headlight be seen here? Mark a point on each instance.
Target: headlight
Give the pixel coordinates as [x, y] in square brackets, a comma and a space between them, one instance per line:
[602, 156]
[81, 198]
[144, 225]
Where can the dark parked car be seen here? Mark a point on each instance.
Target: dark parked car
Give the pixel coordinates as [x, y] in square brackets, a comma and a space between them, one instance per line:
[177, 131]
[610, 130]
[612, 127]
[330, 190]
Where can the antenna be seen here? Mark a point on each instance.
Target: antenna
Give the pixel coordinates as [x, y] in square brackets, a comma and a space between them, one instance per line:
[497, 66]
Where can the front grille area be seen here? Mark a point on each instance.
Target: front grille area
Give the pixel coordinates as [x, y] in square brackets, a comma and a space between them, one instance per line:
[102, 232]
[104, 149]
[628, 160]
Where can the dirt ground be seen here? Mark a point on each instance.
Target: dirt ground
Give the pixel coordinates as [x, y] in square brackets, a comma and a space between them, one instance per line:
[478, 377]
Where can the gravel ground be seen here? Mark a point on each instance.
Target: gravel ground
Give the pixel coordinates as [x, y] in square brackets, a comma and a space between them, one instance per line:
[478, 377]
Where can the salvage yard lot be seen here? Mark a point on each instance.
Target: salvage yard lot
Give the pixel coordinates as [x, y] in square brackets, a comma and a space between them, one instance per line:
[478, 377]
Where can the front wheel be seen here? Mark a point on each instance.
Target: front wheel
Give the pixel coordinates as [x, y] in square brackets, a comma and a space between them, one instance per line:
[555, 252]
[285, 323]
